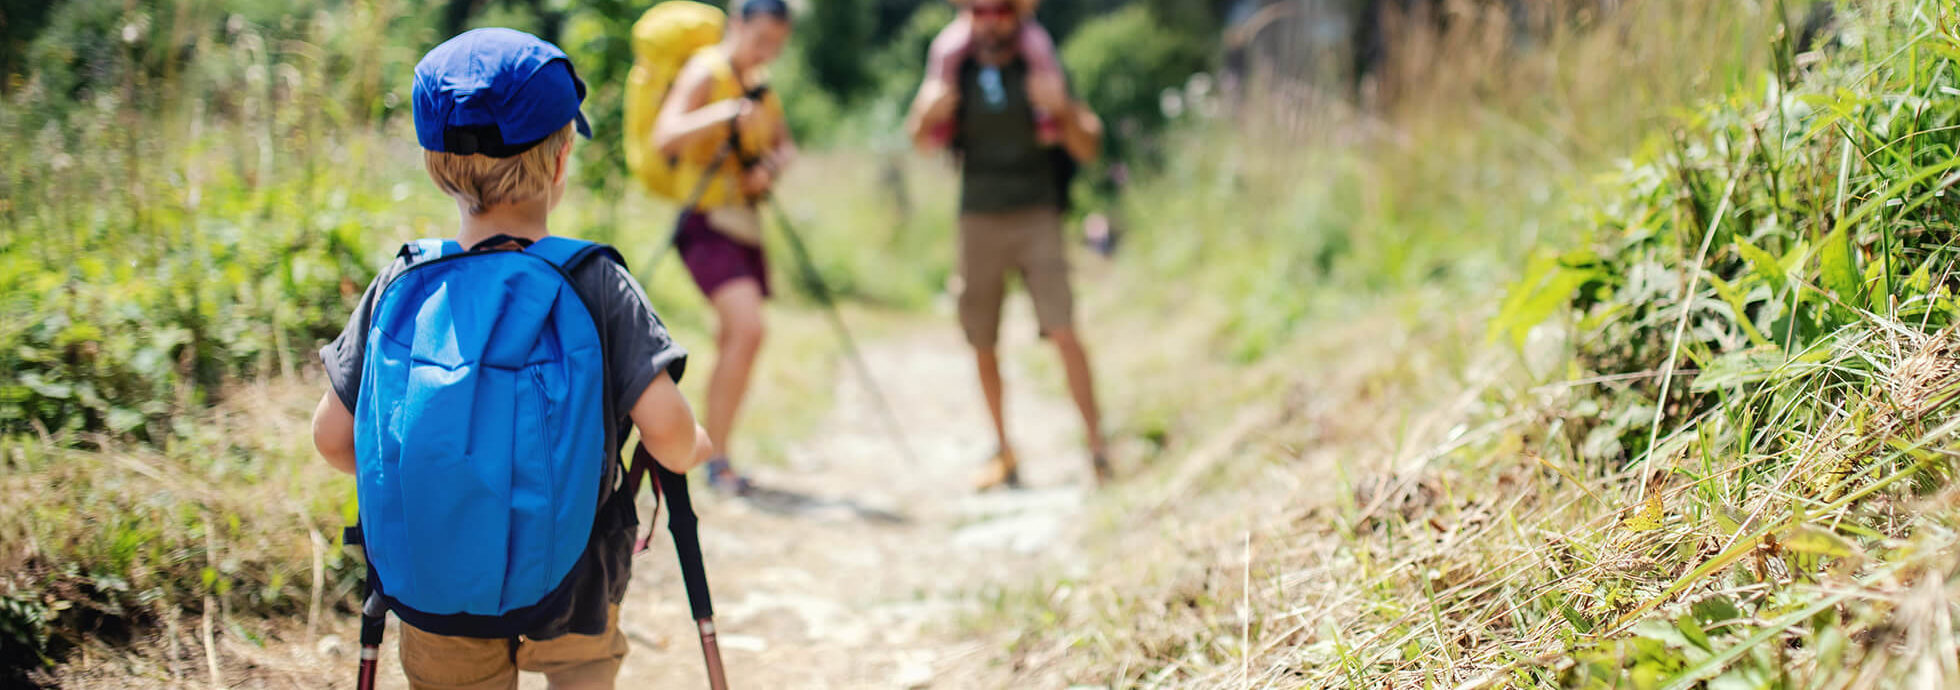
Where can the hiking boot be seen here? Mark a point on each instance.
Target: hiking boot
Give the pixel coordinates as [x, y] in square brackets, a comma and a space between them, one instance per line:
[722, 478]
[1104, 475]
[1001, 472]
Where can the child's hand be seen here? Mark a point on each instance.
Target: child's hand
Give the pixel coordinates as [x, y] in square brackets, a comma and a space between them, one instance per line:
[949, 49]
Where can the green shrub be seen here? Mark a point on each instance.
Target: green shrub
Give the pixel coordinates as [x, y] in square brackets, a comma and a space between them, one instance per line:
[831, 36]
[1120, 64]
[153, 259]
[1818, 212]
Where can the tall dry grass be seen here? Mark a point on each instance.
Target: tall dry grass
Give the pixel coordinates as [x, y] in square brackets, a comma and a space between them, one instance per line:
[1379, 493]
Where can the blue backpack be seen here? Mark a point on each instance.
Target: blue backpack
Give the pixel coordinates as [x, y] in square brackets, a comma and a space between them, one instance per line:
[482, 435]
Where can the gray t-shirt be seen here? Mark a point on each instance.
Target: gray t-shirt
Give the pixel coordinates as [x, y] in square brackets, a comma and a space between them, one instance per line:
[637, 349]
[1003, 166]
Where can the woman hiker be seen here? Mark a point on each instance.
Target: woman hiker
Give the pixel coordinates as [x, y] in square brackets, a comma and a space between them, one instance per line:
[719, 109]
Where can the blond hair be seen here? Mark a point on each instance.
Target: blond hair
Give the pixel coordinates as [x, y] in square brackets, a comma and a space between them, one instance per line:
[480, 182]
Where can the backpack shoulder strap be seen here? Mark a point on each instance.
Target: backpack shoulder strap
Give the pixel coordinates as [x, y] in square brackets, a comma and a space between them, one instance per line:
[958, 142]
[413, 254]
[616, 510]
[567, 253]
[722, 67]
[428, 249]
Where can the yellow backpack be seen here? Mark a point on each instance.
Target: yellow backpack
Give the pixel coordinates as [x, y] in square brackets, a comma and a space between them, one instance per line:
[664, 39]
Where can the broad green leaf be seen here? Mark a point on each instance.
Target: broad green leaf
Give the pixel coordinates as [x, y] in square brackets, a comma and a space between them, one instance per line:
[46, 389]
[1819, 541]
[1547, 286]
[1725, 522]
[1710, 667]
[1838, 272]
[1921, 281]
[1537, 269]
[1794, 259]
[1646, 674]
[1766, 266]
[122, 419]
[1874, 283]
[1693, 632]
[1758, 363]
[1736, 296]
[1578, 620]
[1716, 612]
[78, 332]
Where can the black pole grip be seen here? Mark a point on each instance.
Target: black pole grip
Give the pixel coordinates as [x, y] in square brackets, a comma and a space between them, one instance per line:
[687, 541]
[374, 623]
[374, 620]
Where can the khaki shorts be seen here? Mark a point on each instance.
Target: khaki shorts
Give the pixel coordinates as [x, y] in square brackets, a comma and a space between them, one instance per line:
[1027, 241]
[439, 662]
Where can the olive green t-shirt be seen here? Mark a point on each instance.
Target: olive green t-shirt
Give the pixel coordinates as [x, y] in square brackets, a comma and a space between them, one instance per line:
[1002, 165]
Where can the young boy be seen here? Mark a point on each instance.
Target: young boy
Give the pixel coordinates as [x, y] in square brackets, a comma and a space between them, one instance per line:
[495, 111]
[955, 42]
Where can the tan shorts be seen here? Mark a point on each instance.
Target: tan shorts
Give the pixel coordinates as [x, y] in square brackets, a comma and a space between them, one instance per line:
[439, 662]
[1028, 242]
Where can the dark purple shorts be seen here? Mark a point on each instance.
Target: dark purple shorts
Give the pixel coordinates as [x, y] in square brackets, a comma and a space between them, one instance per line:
[715, 259]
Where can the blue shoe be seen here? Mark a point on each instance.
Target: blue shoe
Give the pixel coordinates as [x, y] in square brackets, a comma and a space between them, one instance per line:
[722, 478]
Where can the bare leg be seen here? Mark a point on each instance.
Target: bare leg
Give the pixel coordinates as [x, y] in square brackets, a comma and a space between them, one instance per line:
[988, 360]
[1002, 470]
[738, 306]
[1081, 386]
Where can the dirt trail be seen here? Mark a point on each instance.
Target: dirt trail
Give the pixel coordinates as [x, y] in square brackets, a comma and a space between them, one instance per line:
[856, 574]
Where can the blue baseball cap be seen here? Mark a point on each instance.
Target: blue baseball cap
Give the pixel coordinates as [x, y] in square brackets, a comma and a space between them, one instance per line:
[496, 92]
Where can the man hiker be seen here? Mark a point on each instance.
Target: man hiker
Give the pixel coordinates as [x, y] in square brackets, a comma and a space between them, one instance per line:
[485, 385]
[1013, 189]
[719, 113]
[951, 47]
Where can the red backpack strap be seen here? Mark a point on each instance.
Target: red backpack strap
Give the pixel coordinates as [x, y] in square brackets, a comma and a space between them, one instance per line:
[642, 468]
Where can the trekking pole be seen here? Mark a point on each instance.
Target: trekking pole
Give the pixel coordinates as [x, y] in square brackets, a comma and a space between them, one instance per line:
[829, 301]
[728, 147]
[700, 189]
[374, 613]
[374, 622]
[682, 525]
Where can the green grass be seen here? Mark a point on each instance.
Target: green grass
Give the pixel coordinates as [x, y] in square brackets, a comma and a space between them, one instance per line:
[182, 243]
[1413, 359]
[194, 195]
[1447, 484]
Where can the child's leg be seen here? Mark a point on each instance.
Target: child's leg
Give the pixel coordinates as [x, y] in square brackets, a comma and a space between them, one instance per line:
[1038, 50]
[440, 662]
[578, 662]
[1045, 80]
[949, 48]
[943, 59]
